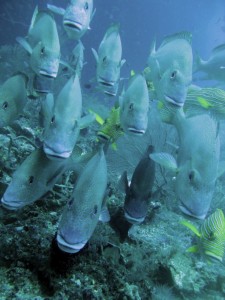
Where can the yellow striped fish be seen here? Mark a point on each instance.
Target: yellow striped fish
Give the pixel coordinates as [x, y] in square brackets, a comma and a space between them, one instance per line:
[211, 235]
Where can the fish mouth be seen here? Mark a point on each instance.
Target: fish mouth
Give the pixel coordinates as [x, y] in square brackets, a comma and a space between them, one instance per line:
[103, 136]
[47, 74]
[53, 155]
[173, 101]
[136, 131]
[10, 206]
[69, 248]
[186, 211]
[105, 82]
[109, 93]
[133, 220]
[73, 25]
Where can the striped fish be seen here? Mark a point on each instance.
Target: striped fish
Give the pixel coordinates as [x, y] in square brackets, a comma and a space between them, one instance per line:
[212, 233]
[211, 236]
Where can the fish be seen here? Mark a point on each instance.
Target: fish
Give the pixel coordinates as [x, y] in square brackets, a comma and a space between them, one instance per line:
[82, 211]
[76, 60]
[13, 97]
[194, 178]
[205, 100]
[214, 67]
[211, 236]
[62, 119]
[76, 17]
[134, 106]
[32, 179]
[171, 68]
[111, 128]
[42, 43]
[139, 192]
[109, 61]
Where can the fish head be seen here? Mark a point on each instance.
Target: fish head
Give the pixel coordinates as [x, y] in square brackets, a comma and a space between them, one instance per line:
[135, 208]
[60, 137]
[7, 108]
[44, 61]
[173, 86]
[135, 106]
[193, 192]
[77, 17]
[108, 75]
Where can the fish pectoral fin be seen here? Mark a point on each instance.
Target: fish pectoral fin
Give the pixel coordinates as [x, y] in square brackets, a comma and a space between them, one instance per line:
[191, 227]
[56, 9]
[122, 62]
[166, 160]
[65, 64]
[123, 185]
[24, 44]
[193, 249]
[95, 54]
[104, 215]
[93, 14]
[33, 20]
[87, 120]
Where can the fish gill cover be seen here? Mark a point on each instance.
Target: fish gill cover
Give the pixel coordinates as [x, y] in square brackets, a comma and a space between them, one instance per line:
[103, 157]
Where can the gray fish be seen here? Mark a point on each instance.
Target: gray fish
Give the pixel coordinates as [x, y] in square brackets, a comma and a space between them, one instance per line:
[42, 43]
[139, 192]
[13, 97]
[171, 68]
[77, 58]
[32, 179]
[214, 67]
[82, 212]
[109, 60]
[76, 17]
[196, 167]
[62, 125]
[134, 106]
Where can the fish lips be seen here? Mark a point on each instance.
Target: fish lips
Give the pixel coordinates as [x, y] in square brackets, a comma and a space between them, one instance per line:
[133, 220]
[173, 101]
[135, 131]
[12, 205]
[186, 211]
[73, 25]
[69, 248]
[45, 73]
[53, 155]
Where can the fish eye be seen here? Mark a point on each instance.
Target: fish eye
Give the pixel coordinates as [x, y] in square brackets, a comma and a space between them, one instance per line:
[104, 59]
[5, 105]
[86, 6]
[95, 210]
[191, 176]
[173, 74]
[42, 50]
[31, 179]
[52, 119]
[131, 106]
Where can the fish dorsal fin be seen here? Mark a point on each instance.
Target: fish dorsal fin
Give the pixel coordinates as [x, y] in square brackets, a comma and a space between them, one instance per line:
[52, 180]
[95, 54]
[33, 20]
[152, 47]
[24, 44]
[218, 49]
[180, 35]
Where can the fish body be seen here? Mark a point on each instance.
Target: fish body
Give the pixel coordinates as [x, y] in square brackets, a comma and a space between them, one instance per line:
[76, 17]
[196, 166]
[77, 58]
[13, 97]
[171, 68]
[109, 61]
[62, 120]
[82, 211]
[134, 106]
[139, 192]
[42, 43]
[211, 236]
[32, 179]
[214, 67]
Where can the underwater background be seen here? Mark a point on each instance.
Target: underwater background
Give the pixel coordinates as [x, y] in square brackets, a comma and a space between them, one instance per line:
[148, 260]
